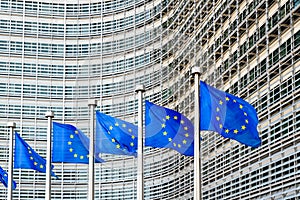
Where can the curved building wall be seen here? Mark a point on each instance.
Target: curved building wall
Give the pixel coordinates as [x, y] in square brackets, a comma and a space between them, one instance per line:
[58, 54]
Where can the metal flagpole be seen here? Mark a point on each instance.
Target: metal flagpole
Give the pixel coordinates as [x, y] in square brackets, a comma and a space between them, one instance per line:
[49, 115]
[92, 103]
[11, 125]
[140, 173]
[197, 143]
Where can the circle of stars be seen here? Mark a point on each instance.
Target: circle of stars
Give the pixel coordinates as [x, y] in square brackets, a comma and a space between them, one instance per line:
[218, 117]
[35, 163]
[71, 150]
[128, 130]
[169, 137]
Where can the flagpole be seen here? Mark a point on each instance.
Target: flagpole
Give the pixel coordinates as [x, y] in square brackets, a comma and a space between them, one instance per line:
[197, 143]
[140, 171]
[92, 103]
[49, 115]
[11, 125]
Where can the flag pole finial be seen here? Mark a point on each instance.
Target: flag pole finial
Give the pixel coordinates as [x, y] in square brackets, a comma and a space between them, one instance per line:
[140, 88]
[92, 102]
[12, 126]
[49, 114]
[196, 70]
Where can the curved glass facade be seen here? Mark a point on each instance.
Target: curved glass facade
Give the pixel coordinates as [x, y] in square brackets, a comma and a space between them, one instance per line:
[58, 54]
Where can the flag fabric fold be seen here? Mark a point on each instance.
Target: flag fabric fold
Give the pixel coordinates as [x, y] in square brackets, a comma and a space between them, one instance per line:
[26, 158]
[4, 179]
[166, 128]
[228, 115]
[71, 145]
[115, 136]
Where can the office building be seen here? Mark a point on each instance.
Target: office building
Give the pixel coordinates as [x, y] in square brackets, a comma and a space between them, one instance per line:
[55, 55]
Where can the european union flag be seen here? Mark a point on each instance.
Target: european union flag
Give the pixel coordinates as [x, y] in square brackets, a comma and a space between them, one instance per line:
[26, 158]
[71, 145]
[4, 178]
[115, 136]
[166, 128]
[230, 116]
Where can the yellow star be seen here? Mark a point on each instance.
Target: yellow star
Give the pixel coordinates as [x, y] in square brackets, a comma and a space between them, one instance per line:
[226, 131]
[116, 124]
[234, 100]
[181, 121]
[31, 158]
[245, 114]
[185, 128]
[28, 148]
[174, 144]
[76, 132]
[118, 146]
[241, 106]
[227, 99]
[179, 145]
[170, 139]
[175, 117]
[221, 102]
[124, 125]
[110, 127]
[217, 109]
[71, 136]
[113, 140]
[69, 143]
[35, 163]
[71, 150]
[131, 144]
[243, 127]
[220, 125]
[218, 118]
[163, 125]
[235, 131]
[108, 132]
[167, 117]
[165, 133]
[246, 120]
[130, 130]
[184, 141]
[186, 135]
[41, 166]
[132, 137]
[81, 157]
[29, 152]
[75, 155]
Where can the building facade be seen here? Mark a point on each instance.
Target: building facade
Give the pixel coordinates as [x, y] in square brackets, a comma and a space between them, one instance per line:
[55, 55]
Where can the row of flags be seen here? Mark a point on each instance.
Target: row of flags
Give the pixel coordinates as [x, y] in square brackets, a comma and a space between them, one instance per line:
[226, 114]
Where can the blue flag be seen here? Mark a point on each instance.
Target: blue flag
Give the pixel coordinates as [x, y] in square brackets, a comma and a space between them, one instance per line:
[26, 158]
[230, 116]
[71, 145]
[115, 136]
[166, 128]
[4, 178]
